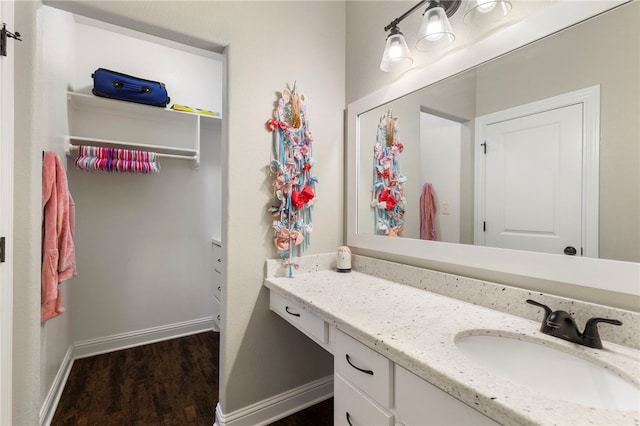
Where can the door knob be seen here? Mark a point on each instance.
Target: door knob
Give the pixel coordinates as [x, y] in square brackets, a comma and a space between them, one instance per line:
[570, 251]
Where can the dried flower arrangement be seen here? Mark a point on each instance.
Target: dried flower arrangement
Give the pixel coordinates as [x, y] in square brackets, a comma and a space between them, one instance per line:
[293, 184]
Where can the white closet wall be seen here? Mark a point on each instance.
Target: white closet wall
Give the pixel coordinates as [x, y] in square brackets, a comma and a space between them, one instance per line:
[193, 76]
[54, 69]
[144, 252]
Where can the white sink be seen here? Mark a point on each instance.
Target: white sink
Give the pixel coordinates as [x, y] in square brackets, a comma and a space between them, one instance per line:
[549, 371]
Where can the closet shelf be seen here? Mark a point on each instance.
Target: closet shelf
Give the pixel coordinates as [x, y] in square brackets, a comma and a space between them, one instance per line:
[102, 120]
[83, 100]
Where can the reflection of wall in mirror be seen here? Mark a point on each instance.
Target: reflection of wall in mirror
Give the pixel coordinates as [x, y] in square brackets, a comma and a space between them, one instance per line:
[444, 150]
[601, 51]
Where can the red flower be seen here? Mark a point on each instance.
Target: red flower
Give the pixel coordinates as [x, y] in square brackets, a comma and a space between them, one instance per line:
[384, 174]
[301, 198]
[388, 198]
[273, 124]
[391, 202]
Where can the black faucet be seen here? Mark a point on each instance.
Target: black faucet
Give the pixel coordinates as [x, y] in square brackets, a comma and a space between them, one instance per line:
[561, 324]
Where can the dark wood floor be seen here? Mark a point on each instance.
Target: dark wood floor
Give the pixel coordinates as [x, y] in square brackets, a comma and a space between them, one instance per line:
[174, 382]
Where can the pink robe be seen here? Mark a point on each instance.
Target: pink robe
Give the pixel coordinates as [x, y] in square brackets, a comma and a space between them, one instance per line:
[58, 251]
[428, 213]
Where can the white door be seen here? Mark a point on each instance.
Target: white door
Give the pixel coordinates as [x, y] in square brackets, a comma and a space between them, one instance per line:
[533, 182]
[6, 214]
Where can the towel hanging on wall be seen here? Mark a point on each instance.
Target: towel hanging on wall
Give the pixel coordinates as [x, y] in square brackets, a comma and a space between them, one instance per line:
[428, 212]
[117, 160]
[58, 248]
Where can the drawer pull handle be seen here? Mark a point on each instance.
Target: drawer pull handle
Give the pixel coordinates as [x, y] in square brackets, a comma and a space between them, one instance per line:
[286, 308]
[358, 368]
[349, 419]
[218, 317]
[219, 288]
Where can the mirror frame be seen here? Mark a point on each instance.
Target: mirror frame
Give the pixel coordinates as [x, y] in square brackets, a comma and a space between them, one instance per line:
[608, 275]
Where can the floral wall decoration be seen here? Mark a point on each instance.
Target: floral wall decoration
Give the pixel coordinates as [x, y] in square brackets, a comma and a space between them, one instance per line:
[293, 184]
[388, 200]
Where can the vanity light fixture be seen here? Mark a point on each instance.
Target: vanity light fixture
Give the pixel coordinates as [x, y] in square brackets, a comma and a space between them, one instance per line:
[435, 30]
[396, 52]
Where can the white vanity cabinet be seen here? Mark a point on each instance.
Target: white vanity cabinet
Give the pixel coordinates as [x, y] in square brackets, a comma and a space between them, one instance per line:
[370, 389]
[302, 319]
[418, 402]
[352, 406]
[218, 283]
[362, 383]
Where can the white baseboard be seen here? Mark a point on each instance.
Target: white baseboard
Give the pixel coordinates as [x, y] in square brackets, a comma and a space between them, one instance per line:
[279, 406]
[50, 403]
[132, 339]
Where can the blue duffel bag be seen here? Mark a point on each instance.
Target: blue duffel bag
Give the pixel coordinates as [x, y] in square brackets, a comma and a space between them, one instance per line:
[115, 85]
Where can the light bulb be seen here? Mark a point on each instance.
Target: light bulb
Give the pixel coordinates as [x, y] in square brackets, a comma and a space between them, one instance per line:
[435, 30]
[396, 55]
[395, 50]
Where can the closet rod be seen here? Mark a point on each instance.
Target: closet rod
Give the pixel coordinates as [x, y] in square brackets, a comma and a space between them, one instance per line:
[158, 154]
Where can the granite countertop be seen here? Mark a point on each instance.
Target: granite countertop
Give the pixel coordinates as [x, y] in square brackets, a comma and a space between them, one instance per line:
[416, 329]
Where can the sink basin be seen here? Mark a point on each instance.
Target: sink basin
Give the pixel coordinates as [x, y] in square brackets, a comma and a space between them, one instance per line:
[554, 373]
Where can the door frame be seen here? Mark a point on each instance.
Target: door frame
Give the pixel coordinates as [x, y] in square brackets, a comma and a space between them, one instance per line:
[589, 97]
[6, 215]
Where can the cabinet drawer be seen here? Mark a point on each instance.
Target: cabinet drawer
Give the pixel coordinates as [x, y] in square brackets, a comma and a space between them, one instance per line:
[217, 312]
[353, 408]
[419, 403]
[217, 258]
[363, 367]
[217, 285]
[302, 319]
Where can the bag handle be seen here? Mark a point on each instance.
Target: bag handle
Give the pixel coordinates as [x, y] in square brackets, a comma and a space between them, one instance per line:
[132, 87]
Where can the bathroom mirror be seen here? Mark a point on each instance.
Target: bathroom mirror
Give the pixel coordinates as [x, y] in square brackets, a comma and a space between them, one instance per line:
[459, 98]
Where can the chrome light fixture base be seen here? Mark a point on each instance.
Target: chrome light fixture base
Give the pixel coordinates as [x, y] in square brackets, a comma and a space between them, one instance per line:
[450, 6]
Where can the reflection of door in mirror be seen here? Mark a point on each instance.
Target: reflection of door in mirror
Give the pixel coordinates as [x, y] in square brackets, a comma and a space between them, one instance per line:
[529, 185]
[533, 182]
